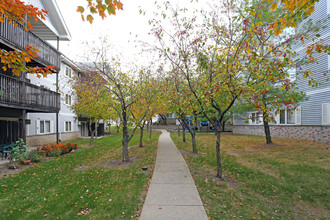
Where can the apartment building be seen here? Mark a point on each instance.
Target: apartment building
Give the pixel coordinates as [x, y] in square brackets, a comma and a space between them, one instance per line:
[25, 96]
[42, 128]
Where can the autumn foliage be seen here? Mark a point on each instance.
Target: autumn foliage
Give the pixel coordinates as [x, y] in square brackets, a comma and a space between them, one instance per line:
[17, 11]
[20, 13]
[101, 8]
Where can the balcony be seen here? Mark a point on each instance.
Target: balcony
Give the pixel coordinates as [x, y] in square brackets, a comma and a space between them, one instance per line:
[17, 94]
[18, 38]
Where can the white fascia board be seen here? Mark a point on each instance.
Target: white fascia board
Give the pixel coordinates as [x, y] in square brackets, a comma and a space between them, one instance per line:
[67, 61]
[56, 17]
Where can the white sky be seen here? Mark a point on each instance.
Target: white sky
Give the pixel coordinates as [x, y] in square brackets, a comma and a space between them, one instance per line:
[116, 28]
[122, 30]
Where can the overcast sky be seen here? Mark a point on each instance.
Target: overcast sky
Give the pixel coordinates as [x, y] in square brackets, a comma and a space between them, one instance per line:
[119, 29]
[123, 30]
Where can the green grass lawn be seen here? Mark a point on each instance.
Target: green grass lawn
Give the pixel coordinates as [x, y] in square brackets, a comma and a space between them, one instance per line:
[287, 180]
[54, 189]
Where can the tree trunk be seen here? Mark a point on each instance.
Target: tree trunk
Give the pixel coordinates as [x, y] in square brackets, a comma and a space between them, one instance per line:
[267, 130]
[125, 136]
[215, 128]
[179, 131]
[125, 144]
[141, 135]
[118, 127]
[193, 142]
[223, 126]
[163, 117]
[150, 128]
[183, 133]
[92, 133]
[217, 148]
[192, 132]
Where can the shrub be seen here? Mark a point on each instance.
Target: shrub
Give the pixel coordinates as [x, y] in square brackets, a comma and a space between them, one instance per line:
[44, 150]
[34, 156]
[72, 146]
[54, 153]
[19, 151]
[63, 149]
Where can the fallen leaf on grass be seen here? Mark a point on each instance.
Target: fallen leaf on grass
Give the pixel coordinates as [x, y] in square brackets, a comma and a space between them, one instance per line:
[84, 212]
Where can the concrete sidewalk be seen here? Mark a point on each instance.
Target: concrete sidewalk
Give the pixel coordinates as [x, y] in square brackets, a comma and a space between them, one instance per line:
[172, 193]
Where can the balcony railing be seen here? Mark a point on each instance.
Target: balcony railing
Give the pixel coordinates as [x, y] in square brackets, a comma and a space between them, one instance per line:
[16, 93]
[19, 38]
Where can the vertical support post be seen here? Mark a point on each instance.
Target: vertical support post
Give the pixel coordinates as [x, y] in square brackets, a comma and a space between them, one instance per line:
[57, 133]
[24, 126]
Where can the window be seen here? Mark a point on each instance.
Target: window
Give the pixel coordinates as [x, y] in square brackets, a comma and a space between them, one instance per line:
[287, 117]
[44, 127]
[290, 115]
[256, 118]
[68, 99]
[68, 72]
[282, 116]
[253, 118]
[68, 126]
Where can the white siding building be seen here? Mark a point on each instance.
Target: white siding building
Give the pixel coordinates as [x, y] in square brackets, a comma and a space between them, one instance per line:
[42, 127]
[28, 104]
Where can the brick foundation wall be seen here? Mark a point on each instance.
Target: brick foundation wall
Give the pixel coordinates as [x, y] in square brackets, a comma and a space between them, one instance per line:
[41, 140]
[299, 132]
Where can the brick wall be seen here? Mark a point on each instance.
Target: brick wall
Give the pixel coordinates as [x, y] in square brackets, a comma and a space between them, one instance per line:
[41, 140]
[299, 132]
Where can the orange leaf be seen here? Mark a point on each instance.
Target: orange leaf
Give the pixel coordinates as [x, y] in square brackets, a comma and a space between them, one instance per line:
[80, 9]
[273, 6]
[90, 18]
[278, 32]
[27, 59]
[309, 50]
[119, 5]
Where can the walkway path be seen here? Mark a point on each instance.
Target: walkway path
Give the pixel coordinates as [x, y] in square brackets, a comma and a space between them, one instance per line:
[172, 193]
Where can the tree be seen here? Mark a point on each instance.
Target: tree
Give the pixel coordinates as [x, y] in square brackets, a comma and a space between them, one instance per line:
[145, 107]
[182, 103]
[268, 102]
[272, 95]
[92, 98]
[225, 56]
[124, 88]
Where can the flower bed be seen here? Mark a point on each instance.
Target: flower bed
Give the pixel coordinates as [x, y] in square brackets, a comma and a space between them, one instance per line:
[57, 149]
